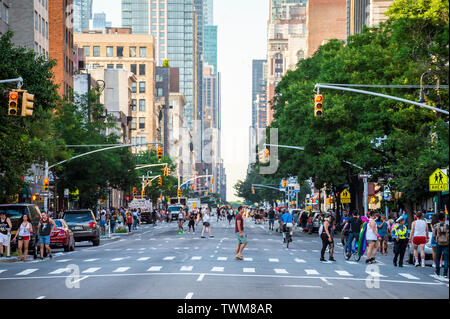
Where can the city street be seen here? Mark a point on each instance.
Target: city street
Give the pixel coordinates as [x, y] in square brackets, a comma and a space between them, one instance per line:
[156, 262]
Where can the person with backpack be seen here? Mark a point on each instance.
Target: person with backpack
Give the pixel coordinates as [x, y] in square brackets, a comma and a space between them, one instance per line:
[399, 235]
[441, 233]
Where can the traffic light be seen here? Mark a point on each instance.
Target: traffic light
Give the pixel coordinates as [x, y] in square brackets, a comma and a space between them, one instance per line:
[45, 184]
[318, 107]
[179, 193]
[159, 153]
[134, 191]
[13, 103]
[212, 180]
[159, 181]
[253, 190]
[143, 193]
[166, 171]
[267, 152]
[27, 104]
[34, 197]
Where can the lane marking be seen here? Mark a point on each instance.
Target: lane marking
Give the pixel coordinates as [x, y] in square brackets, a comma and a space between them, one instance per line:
[351, 262]
[249, 269]
[186, 268]
[63, 260]
[118, 259]
[92, 259]
[299, 260]
[375, 274]
[121, 269]
[40, 297]
[222, 258]
[274, 260]
[78, 280]
[311, 272]
[248, 259]
[200, 278]
[143, 258]
[409, 276]
[196, 258]
[169, 258]
[58, 271]
[26, 272]
[91, 270]
[2, 270]
[343, 273]
[154, 268]
[217, 269]
[301, 286]
[189, 295]
[326, 281]
[281, 271]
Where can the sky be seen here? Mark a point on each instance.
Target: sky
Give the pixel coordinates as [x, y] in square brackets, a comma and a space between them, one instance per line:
[242, 31]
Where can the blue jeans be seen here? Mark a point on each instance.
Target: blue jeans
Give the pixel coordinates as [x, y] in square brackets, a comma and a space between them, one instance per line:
[135, 223]
[441, 250]
[351, 236]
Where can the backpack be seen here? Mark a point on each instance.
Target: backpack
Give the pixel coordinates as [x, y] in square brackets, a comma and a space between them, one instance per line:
[442, 237]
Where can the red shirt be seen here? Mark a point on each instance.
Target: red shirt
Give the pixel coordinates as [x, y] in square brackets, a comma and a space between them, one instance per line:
[239, 217]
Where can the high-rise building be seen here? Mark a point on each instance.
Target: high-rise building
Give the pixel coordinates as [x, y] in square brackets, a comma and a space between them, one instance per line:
[365, 13]
[208, 12]
[28, 19]
[257, 82]
[82, 13]
[61, 45]
[99, 22]
[117, 48]
[210, 46]
[4, 16]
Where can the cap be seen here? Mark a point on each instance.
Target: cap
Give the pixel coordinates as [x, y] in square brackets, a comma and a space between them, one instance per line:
[399, 219]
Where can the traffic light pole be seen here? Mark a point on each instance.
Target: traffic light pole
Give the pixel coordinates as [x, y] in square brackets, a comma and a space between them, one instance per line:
[19, 81]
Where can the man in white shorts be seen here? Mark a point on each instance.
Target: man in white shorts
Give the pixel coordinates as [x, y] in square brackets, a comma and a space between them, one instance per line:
[5, 226]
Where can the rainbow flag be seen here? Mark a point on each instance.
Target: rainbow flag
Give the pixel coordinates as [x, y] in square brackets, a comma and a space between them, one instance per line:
[446, 212]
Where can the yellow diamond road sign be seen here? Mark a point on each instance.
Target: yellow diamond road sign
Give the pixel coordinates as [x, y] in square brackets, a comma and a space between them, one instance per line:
[438, 181]
[345, 197]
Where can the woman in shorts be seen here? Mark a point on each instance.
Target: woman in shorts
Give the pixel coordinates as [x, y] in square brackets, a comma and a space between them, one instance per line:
[23, 235]
[419, 237]
[382, 227]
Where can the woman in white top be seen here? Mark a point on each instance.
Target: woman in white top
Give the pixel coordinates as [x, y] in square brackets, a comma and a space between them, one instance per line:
[206, 224]
[419, 237]
[372, 239]
[24, 235]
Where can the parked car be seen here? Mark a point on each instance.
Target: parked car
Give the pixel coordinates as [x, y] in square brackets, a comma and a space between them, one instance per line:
[83, 225]
[428, 250]
[62, 236]
[15, 212]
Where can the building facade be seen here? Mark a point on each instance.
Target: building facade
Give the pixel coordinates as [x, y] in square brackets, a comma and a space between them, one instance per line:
[99, 22]
[4, 16]
[119, 49]
[365, 13]
[210, 46]
[82, 14]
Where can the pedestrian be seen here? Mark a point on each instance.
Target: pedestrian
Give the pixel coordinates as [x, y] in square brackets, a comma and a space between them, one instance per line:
[382, 226]
[23, 236]
[355, 224]
[191, 223]
[433, 244]
[45, 228]
[113, 221]
[129, 219]
[327, 239]
[103, 222]
[400, 242]
[372, 239]
[271, 216]
[206, 224]
[229, 216]
[239, 233]
[441, 233]
[419, 237]
[345, 228]
[180, 221]
[135, 219]
[5, 227]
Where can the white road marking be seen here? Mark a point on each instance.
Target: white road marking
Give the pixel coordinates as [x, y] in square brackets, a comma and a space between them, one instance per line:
[409, 276]
[311, 272]
[154, 268]
[186, 268]
[248, 259]
[58, 271]
[217, 269]
[375, 274]
[40, 297]
[249, 269]
[326, 281]
[91, 270]
[143, 258]
[343, 273]
[301, 286]
[189, 295]
[222, 258]
[200, 278]
[274, 260]
[196, 258]
[346, 297]
[2, 270]
[92, 259]
[118, 259]
[351, 262]
[280, 271]
[26, 272]
[169, 258]
[121, 269]
[63, 260]
[299, 260]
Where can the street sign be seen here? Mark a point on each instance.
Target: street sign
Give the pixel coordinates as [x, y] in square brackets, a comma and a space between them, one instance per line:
[345, 197]
[66, 193]
[387, 193]
[438, 181]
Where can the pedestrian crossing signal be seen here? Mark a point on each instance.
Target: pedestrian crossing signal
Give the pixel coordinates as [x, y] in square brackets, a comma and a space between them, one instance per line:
[318, 106]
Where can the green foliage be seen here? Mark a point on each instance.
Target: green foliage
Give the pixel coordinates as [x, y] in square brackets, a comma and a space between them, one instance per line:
[436, 11]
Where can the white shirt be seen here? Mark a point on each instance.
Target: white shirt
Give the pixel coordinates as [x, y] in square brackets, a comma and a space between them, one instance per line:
[206, 218]
[24, 230]
[420, 228]
[370, 234]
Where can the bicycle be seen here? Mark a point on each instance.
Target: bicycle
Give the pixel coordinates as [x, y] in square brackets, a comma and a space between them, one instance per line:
[354, 251]
[288, 236]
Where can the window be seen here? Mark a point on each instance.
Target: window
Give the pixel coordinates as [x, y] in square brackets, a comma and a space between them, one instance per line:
[133, 87]
[133, 123]
[142, 87]
[120, 51]
[142, 105]
[159, 78]
[133, 104]
[142, 123]
[132, 52]
[36, 21]
[143, 140]
[109, 51]
[133, 68]
[110, 66]
[119, 66]
[96, 51]
[86, 50]
[141, 69]
[94, 66]
[142, 52]
[160, 92]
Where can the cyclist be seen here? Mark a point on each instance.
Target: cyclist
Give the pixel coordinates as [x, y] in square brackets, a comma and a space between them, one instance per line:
[287, 222]
[355, 227]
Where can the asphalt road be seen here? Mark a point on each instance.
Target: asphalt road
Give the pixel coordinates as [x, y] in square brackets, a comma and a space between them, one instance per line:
[157, 263]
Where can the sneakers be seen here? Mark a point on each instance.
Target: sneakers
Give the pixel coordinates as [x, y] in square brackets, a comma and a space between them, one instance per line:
[423, 263]
[331, 259]
[322, 259]
[416, 264]
[373, 261]
[395, 264]
[203, 237]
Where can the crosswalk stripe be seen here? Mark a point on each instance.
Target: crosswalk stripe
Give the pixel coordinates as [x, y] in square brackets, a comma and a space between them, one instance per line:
[186, 268]
[299, 260]
[249, 269]
[248, 259]
[374, 274]
[217, 269]
[143, 258]
[63, 260]
[2, 270]
[281, 271]
[154, 268]
[311, 272]
[92, 259]
[343, 273]
[351, 262]
[121, 269]
[58, 271]
[409, 276]
[274, 260]
[222, 258]
[169, 258]
[118, 259]
[196, 258]
[91, 270]
[26, 272]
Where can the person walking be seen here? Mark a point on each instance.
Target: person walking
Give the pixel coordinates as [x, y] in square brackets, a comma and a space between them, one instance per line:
[113, 221]
[24, 235]
[400, 242]
[419, 237]
[229, 216]
[382, 227]
[45, 227]
[434, 221]
[191, 223]
[180, 221]
[129, 219]
[271, 216]
[135, 219]
[103, 222]
[441, 233]
[372, 239]
[327, 240]
[5, 227]
[239, 233]
[345, 229]
[206, 224]
[355, 224]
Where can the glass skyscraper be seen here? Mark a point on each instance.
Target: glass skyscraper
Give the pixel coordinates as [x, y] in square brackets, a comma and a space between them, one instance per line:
[82, 13]
[210, 46]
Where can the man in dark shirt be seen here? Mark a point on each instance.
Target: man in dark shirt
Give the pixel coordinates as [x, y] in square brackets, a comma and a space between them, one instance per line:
[239, 233]
[271, 218]
[355, 227]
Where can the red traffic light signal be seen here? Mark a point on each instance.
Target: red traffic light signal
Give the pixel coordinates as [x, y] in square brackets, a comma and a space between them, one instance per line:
[159, 155]
[13, 103]
[159, 181]
[45, 184]
[179, 192]
[318, 106]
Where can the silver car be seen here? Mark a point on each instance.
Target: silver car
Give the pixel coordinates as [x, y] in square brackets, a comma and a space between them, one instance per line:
[428, 250]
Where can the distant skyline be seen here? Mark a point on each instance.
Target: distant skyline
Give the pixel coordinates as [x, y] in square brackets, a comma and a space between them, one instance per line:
[242, 37]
